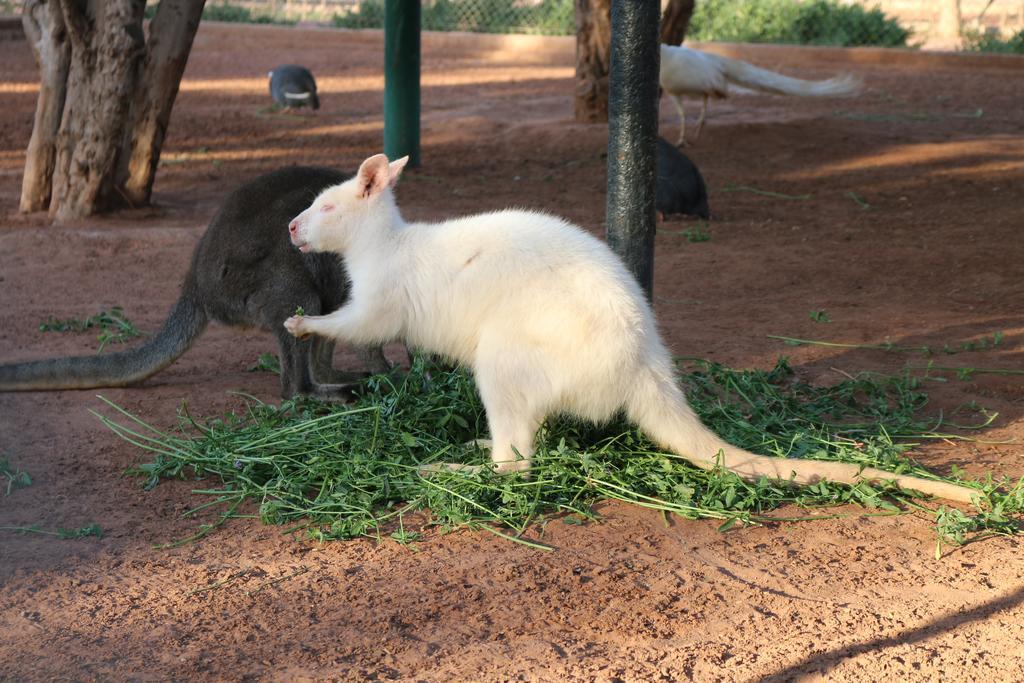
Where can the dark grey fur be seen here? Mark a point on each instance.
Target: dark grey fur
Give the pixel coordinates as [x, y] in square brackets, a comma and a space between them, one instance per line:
[680, 187]
[292, 79]
[244, 272]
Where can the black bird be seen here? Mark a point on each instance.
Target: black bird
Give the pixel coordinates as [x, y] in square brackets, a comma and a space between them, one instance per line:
[292, 85]
[680, 187]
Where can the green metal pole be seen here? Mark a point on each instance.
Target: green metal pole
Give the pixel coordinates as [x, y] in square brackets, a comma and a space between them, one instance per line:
[402, 80]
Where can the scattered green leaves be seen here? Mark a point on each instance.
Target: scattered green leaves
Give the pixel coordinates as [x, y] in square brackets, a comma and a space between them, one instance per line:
[820, 316]
[985, 343]
[858, 200]
[698, 233]
[964, 373]
[764, 193]
[267, 362]
[16, 479]
[956, 527]
[114, 327]
[348, 471]
[80, 532]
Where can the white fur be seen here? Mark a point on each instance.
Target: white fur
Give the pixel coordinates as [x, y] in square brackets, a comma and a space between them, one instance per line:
[685, 71]
[545, 314]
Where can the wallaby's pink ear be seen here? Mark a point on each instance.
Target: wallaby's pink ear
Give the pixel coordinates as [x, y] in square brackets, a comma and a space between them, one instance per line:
[373, 175]
[395, 169]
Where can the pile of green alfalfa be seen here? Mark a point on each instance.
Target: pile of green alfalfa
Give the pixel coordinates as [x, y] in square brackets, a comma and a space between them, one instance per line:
[343, 471]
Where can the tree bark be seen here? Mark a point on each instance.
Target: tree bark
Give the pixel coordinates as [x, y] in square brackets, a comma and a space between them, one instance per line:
[106, 49]
[675, 21]
[593, 38]
[44, 27]
[105, 100]
[169, 42]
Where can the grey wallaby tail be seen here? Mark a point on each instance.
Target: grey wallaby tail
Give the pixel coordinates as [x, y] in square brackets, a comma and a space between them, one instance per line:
[186, 321]
[749, 76]
[657, 405]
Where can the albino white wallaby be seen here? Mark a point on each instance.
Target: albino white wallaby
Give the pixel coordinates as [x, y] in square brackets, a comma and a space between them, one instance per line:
[546, 315]
[685, 71]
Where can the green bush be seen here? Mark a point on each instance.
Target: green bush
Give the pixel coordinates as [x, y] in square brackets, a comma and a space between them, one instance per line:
[370, 15]
[225, 11]
[975, 41]
[812, 22]
[240, 15]
[817, 22]
[549, 17]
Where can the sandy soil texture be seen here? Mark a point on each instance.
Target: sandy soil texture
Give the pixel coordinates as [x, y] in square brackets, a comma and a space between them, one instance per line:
[934, 147]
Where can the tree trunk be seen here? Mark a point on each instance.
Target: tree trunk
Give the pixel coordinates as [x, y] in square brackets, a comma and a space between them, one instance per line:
[105, 101]
[106, 50]
[44, 28]
[170, 40]
[675, 20]
[593, 37]
[948, 23]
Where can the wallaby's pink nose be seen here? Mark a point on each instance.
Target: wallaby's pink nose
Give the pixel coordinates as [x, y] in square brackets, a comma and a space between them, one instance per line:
[293, 227]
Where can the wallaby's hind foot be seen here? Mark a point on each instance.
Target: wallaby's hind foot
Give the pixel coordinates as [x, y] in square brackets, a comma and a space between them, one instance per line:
[323, 370]
[374, 360]
[307, 363]
[334, 393]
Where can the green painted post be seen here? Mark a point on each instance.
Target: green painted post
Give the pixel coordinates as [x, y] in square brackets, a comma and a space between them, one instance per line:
[402, 80]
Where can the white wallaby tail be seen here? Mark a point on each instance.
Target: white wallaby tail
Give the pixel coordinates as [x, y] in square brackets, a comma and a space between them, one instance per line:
[755, 78]
[657, 405]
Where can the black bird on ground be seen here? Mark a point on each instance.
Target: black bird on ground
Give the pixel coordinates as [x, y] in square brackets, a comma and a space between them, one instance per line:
[680, 187]
[292, 85]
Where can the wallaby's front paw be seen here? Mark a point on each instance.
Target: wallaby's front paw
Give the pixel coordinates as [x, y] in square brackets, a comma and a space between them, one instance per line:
[296, 327]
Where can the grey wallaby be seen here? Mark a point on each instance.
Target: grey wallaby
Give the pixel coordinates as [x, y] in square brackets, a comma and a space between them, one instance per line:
[244, 272]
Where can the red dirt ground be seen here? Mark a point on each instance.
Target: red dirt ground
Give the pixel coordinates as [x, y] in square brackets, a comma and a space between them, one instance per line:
[933, 145]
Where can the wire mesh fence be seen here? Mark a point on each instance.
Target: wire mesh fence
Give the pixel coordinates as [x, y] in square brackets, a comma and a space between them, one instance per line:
[970, 24]
[545, 17]
[817, 22]
[984, 25]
